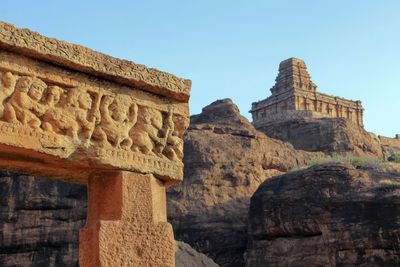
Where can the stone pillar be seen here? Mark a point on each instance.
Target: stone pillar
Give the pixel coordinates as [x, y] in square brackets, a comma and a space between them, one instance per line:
[70, 113]
[126, 222]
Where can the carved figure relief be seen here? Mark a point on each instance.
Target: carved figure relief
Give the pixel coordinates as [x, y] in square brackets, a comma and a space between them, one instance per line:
[69, 116]
[90, 117]
[174, 149]
[151, 133]
[24, 105]
[118, 116]
[7, 88]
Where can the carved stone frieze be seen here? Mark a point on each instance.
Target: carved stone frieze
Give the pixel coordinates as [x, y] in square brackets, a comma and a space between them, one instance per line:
[92, 121]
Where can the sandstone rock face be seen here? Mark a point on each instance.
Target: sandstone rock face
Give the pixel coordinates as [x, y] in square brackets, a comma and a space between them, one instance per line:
[225, 161]
[186, 256]
[327, 215]
[330, 135]
[40, 221]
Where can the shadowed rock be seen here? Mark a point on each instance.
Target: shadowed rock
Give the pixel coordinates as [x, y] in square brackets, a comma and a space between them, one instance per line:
[327, 215]
[40, 221]
[186, 256]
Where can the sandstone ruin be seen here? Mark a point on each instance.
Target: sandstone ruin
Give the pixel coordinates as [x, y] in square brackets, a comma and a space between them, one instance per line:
[294, 96]
[74, 114]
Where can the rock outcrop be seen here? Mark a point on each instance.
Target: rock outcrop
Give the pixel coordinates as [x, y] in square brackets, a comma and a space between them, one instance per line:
[390, 146]
[186, 256]
[329, 135]
[327, 215]
[226, 160]
[40, 221]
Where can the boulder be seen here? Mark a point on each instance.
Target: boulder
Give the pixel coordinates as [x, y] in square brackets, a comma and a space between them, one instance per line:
[186, 256]
[326, 215]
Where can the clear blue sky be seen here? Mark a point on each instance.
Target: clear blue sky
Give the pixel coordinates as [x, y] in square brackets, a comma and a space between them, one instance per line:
[232, 49]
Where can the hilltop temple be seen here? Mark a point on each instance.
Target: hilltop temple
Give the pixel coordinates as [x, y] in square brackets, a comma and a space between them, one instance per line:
[294, 96]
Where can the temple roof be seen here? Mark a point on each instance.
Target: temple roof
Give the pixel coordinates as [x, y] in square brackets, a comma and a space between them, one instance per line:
[292, 75]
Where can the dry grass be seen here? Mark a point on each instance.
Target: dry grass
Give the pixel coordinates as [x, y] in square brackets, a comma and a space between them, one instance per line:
[357, 162]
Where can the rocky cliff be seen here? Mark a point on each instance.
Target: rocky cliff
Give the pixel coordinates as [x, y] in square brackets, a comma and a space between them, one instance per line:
[329, 135]
[327, 215]
[226, 159]
[40, 221]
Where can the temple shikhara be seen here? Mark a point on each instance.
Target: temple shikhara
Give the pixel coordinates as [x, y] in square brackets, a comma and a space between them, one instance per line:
[294, 96]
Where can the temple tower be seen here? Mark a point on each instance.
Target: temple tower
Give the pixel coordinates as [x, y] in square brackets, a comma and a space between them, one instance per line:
[294, 96]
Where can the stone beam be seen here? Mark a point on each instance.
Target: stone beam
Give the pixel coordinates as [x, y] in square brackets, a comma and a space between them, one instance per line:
[82, 59]
[74, 114]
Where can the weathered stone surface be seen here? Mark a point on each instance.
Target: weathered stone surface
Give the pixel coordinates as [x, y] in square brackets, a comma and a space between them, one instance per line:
[186, 256]
[40, 221]
[82, 59]
[330, 135]
[295, 95]
[327, 215]
[225, 161]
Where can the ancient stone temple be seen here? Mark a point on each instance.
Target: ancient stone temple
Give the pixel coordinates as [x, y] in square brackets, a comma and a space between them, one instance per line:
[74, 114]
[294, 96]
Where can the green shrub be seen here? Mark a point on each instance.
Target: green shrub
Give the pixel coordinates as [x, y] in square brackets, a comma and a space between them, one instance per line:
[289, 145]
[394, 158]
[357, 162]
[319, 154]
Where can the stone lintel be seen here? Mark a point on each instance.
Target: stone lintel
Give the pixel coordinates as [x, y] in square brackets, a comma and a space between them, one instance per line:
[82, 59]
[60, 119]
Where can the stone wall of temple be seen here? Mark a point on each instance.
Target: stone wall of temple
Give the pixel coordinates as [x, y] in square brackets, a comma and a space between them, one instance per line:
[294, 91]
